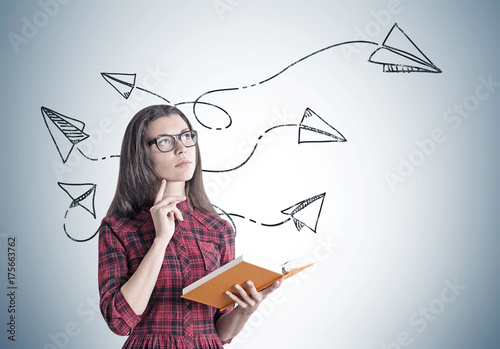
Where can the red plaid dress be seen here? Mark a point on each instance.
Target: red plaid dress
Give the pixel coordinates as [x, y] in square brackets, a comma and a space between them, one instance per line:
[201, 243]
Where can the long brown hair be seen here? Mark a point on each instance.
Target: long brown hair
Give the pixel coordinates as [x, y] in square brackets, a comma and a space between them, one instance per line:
[137, 182]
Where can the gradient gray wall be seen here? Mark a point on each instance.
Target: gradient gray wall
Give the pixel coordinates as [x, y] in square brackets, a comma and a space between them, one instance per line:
[403, 263]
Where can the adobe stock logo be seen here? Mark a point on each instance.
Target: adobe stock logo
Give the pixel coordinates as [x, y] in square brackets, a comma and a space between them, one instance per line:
[224, 6]
[31, 26]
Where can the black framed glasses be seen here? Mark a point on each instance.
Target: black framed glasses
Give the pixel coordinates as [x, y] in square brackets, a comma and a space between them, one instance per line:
[166, 143]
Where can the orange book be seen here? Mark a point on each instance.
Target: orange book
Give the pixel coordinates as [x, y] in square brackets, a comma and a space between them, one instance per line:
[262, 272]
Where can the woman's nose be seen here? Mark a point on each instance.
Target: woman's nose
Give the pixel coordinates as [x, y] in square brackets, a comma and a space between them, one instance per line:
[180, 147]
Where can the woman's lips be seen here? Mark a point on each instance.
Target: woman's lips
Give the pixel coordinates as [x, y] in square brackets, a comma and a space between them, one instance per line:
[183, 163]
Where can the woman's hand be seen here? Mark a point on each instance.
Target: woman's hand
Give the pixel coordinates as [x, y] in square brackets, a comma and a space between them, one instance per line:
[249, 302]
[230, 324]
[138, 289]
[164, 212]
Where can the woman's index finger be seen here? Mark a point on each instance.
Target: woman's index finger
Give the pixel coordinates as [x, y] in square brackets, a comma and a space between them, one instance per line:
[161, 191]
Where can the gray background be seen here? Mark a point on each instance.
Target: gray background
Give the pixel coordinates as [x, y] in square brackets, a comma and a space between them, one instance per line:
[387, 254]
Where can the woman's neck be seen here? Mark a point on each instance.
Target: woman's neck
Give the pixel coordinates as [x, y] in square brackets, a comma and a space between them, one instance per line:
[175, 189]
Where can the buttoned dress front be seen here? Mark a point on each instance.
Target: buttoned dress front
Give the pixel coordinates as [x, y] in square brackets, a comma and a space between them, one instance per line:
[201, 243]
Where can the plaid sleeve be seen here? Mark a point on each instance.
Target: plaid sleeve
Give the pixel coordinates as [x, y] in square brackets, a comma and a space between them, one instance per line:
[227, 255]
[113, 273]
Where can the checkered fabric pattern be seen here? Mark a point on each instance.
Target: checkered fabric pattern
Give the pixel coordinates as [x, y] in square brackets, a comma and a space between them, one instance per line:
[201, 243]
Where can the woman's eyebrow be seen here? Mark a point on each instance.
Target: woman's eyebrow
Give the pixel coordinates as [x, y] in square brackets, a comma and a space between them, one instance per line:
[169, 134]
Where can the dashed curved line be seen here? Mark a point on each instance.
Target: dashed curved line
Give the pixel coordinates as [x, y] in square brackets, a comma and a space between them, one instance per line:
[316, 52]
[276, 224]
[253, 150]
[95, 159]
[256, 222]
[228, 216]
[154, 94]
[197, 100]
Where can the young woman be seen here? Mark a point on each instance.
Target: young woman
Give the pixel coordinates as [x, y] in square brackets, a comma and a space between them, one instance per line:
[161, 234]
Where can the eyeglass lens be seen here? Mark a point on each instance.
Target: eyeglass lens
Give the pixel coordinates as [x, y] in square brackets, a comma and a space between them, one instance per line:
[167, 143]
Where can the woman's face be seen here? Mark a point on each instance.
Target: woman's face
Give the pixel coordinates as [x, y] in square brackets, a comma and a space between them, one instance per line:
[179, 164]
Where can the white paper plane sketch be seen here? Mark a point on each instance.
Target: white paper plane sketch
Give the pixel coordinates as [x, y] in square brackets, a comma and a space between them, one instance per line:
[66, 132]
[305, 213]
[82, 195]
[313, 129]
[123, 83]
[399, 54]
[309, 218]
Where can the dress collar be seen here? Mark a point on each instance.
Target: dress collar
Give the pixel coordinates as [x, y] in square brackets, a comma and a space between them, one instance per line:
[185, 207]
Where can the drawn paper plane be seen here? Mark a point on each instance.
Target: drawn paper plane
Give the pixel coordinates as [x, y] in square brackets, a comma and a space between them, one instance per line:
[65, 131]
[399, 54]
[82, 194]
[304, 213]
[313, 129]
[307, 212]
[123, 83]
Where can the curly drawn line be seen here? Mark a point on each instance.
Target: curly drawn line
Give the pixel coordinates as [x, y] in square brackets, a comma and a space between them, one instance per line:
[197, 100]
[311, 129]
[251, 153]
[74, 239]
[210, 105]
[301, 216]
[407, 49]
[82, 195]
[124, 83]
[397, 54]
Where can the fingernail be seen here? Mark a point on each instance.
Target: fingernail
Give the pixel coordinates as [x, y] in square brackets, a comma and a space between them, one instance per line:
[249, 283]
